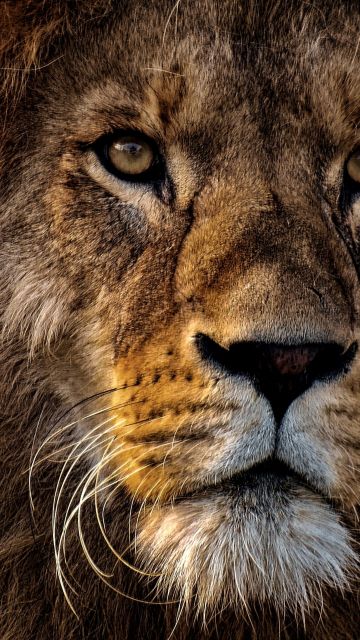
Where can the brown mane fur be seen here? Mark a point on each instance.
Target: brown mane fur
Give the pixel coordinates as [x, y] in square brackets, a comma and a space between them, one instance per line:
[29, 31]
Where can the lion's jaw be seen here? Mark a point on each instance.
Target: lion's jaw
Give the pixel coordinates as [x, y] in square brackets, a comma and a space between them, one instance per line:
[271, 542]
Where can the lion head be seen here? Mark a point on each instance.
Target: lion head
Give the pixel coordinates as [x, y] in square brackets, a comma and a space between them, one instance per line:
[179, 210]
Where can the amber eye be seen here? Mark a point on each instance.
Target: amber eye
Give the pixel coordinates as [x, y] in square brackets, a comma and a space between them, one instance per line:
[130, 155]
[353, 166]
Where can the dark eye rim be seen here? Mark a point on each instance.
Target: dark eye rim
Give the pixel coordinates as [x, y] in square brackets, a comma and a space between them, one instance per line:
[350, 190]
[155, 174]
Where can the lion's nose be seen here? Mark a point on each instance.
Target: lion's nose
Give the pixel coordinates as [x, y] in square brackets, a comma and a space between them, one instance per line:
[289, 360]
[281, 372]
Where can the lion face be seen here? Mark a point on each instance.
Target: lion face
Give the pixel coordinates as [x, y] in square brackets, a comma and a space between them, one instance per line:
[189, 240]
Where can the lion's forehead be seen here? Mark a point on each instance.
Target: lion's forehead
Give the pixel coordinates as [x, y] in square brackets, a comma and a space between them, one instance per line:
[293, 82]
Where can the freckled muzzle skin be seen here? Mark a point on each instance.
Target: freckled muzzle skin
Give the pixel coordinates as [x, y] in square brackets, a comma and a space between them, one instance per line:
[249, 238]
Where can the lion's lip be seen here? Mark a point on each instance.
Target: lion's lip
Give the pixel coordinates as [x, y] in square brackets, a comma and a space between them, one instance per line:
[271, 471]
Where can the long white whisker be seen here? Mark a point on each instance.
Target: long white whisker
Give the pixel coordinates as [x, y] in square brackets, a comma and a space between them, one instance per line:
[71, 516]
[64, 477]
[71, 444]
[31, 456]
[89, 476]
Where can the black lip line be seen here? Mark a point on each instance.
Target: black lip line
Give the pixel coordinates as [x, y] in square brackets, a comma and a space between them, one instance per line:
[271, 466]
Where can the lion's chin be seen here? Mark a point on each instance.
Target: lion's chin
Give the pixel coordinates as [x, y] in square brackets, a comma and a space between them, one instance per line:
[269, 541]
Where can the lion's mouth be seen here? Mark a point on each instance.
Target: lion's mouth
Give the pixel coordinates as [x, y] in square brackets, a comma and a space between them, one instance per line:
[269, 469]
[271, 475]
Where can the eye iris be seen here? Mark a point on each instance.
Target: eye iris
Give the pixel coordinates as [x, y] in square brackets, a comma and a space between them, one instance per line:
[130, 155]
[353, 167]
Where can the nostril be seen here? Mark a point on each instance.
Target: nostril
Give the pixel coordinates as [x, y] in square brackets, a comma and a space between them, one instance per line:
[316, 361]
[281, 372]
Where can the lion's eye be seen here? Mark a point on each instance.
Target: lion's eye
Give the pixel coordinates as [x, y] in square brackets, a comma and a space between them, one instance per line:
[353, 166]
[130, 155]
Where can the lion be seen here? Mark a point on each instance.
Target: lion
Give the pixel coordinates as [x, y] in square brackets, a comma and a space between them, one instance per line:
[179, 300]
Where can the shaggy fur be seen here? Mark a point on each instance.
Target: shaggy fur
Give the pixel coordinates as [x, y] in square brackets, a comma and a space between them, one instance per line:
[150, 487]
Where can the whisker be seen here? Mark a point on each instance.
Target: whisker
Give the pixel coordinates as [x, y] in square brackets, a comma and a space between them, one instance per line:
[107, 541]
[65, 528]
[62, 540]
[105, 503]
[101, 394]
[132, 567]
[91, 473]
[64, 477]
[53, 435]
[91, 484]
[94, 439]
[93, 414]
[61, 545]
[68, 446]
[141, 506]
[85, 496]
[75, 422]
[31, 455]
[102, 524]
[95, 494]
[82, 499]
[173, 10]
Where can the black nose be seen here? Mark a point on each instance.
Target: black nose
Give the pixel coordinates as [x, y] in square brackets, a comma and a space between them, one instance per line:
[281, 372]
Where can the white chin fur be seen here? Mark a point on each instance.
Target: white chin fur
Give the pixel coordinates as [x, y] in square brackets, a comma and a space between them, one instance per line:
[234, 549]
